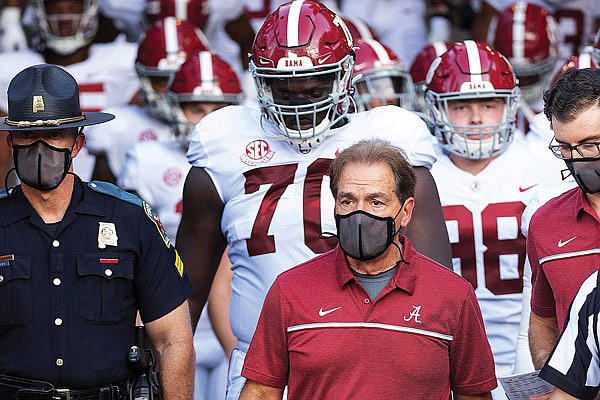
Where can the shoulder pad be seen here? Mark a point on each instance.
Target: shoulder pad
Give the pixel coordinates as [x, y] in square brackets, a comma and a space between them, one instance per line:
[114, 191]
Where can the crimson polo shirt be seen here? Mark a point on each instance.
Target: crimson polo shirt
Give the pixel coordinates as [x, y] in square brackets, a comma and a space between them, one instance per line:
[320, 334]
[563, 246]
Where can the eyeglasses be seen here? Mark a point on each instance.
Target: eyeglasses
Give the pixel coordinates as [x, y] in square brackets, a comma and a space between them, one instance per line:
[585, 150]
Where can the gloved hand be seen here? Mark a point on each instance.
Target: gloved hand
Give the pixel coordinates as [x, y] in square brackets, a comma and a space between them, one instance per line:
[12, 36]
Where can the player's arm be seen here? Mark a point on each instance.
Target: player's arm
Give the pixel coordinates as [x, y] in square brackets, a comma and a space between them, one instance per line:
[543, 335]
[171, 336]
[242, 33]
[482, 21]
[102, 171]
[257, 391]
[482, 396]
[427, 228]
[558, 394]
[200, 242]
[218, 306]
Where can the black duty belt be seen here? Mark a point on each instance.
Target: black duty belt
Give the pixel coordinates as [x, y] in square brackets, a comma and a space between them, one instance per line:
[13, 388]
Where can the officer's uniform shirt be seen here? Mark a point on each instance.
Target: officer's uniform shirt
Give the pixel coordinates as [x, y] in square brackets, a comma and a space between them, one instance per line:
[68, 298]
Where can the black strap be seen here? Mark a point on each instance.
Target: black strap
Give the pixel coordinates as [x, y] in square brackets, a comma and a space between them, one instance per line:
[13, 388]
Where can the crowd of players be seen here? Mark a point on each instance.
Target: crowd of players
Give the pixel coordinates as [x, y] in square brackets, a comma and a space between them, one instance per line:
[160, 66]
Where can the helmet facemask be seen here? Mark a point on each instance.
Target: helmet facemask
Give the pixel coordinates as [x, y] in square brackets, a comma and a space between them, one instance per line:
[64, 34]
[304, 104]
[473, 141]
[385, 87]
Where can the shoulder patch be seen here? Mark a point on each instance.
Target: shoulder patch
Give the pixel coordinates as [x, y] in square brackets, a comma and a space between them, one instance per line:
[159, 226]
[114, 191]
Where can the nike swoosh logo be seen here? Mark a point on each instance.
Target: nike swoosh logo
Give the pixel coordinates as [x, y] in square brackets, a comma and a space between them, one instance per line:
[324, 313]
[561, 243]
[323, 59]
[524, 189]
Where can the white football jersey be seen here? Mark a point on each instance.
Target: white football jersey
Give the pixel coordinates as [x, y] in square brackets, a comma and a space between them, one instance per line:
[106, 79]
[277, 200]
[483, 218]
[406, 39]
[132, 124]
[157, 171]
[575, 18]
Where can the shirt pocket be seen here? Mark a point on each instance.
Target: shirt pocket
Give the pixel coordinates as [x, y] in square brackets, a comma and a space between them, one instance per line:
[106, 292]
[16, 295]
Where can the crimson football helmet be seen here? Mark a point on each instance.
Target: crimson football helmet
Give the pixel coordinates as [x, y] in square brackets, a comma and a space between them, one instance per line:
[380, 77]
[80, 28]
[596, 49]
[527, 35]
[195, 11]
[467, 71]
[585, 59]
[359, 30]
[420, 66]
[301, 63]
[203, 78]
[163, 50]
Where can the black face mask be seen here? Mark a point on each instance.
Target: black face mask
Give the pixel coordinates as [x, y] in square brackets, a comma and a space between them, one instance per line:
[586, 172]
[40, 165]
[365, 236]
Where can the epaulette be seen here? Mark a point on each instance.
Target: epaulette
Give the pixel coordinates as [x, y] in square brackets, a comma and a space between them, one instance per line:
[114, 191]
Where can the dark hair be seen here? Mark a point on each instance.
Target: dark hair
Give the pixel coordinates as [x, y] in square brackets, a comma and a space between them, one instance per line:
[576, 90]
[371, 151]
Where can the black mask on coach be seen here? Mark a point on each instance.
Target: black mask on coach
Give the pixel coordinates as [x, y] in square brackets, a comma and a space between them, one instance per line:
[586, 172]
[365, 236]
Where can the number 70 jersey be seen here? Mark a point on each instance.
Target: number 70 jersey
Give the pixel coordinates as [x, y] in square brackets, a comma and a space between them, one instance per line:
[277, 200]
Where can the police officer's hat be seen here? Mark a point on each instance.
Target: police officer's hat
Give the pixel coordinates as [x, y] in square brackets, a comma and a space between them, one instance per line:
[44, 97]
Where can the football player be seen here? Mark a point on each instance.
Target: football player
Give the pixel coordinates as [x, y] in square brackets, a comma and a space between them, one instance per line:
[156, 171]
[404, 26]
[420, 66]
[164, 49]
[381, 77]
[259, 177]
[578, 21]
[526, 34]
[104, 72]
[472, 98]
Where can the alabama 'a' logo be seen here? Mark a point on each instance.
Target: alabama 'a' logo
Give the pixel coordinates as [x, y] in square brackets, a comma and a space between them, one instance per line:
[257, 152]
[414, 314]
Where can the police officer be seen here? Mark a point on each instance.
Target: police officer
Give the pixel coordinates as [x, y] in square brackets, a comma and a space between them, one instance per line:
[77, 260]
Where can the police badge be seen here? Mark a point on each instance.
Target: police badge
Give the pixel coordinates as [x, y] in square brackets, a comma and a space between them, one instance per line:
[107, 235]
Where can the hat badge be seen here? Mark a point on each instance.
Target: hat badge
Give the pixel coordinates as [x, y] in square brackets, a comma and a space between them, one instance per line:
[38, 104]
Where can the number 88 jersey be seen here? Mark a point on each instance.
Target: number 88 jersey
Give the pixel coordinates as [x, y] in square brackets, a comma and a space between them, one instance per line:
[483, 218]
[276, 199]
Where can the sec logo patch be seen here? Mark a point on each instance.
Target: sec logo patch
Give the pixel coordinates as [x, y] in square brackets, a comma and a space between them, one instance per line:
[257, 152]
[172, 176]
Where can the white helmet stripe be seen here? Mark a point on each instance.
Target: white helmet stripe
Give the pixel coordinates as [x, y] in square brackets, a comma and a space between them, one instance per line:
[439, 47]
[171, 45]
[518, 30]
[293, 23]
[363, 30]
[382, 55]
[206, 68]
[181, 9]
[585, 60]
[474, 60]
